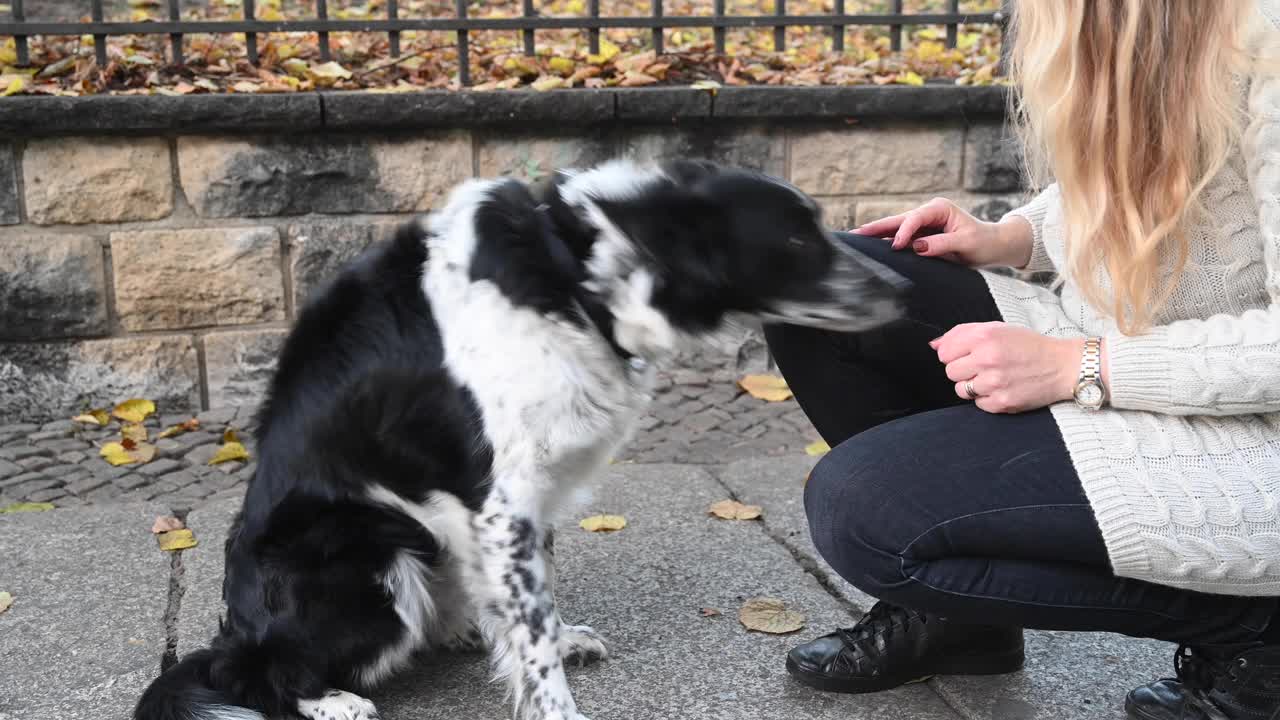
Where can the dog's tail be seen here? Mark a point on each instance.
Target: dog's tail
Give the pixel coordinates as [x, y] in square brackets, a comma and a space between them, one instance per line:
[187, 691]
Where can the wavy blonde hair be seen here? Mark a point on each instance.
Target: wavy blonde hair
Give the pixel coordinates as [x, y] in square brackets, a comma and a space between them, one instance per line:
[1131, 106]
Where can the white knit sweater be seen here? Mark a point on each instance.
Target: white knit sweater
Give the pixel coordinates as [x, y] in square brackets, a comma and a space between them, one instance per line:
[1183, 472]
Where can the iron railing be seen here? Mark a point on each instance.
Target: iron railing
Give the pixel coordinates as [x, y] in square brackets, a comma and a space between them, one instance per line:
[175, 27]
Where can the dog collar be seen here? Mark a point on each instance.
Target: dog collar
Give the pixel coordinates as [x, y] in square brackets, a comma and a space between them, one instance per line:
[591, 308]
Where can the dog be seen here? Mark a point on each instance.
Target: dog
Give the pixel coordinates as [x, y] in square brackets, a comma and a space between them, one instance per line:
[447, 392]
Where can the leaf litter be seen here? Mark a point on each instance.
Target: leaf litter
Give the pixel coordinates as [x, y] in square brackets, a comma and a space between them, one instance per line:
[734, 510]
[603, 523]
[770, 615]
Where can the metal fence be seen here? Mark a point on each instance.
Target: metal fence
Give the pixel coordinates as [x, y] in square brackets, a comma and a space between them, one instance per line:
[836, 22]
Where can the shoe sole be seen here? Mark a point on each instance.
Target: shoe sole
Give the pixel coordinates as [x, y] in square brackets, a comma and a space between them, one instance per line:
[1002, 664]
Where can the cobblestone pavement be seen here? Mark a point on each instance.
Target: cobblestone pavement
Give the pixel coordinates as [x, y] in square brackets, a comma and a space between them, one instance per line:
[700, 416]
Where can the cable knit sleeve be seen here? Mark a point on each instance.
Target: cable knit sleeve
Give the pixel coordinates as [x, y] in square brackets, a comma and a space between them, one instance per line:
[1035, 212]
[1226, 364]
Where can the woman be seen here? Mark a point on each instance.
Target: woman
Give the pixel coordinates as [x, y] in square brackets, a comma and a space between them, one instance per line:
[1102, 455]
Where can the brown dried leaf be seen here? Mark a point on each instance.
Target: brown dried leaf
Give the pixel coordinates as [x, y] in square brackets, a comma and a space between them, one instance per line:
[165, 523]
[183, 427]
[709, 612]
[770, 388]
[734, 510]
[603, 523]
[770, 615]
[176, 540]
[134, 432]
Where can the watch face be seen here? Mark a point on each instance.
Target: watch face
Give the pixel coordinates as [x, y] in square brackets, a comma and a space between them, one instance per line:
[1089, 394]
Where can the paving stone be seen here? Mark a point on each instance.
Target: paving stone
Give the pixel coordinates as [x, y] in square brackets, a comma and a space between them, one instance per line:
[82, 486]
[16, 480]
[9, 468]
[160, 487]
[36, 437]
[166, 446]
[200, 455]
[159, 467]
[19, 428]
[36, 463]
[186, 441]
[18, 453]
[46, 495]
[64, 444]
[181, 478]
[104, 493]
[217, 416]
[59, 471]
[84, 634]
[101, 468]
[68, 426]
[69, 501]
[75, 456]
[40, 483]
[131, 481]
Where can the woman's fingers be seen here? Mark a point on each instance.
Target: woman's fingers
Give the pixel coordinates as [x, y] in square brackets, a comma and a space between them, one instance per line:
[884, 227]
[933, 214]
[962, 369]
[962, 389]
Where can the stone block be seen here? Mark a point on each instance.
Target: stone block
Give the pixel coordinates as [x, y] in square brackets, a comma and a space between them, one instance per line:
[240, 364]
[756, 148]
[51, 380]
[282, 175]
[318, 250]
[190, 278]
[530, 158]
[993, 159]
[51, 286]
[839, 213]
[858, 160]
[8, 186]
[98, 179]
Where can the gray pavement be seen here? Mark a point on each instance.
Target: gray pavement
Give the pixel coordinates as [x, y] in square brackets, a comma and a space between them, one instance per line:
[88, 626]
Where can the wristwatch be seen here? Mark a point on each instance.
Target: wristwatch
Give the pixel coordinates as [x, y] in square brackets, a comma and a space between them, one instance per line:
[1090, 393]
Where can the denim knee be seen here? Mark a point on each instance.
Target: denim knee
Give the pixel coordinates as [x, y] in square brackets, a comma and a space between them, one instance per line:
[849, 507]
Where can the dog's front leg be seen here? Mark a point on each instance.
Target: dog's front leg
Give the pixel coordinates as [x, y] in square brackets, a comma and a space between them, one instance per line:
[578, 643]
[517, 607]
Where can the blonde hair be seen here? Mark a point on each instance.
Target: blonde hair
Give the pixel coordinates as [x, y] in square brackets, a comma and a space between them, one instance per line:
[1132, 107]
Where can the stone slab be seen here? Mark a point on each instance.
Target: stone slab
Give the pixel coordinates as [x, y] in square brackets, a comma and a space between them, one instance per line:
[663, 104]
[195, 113]
[8, 186]
[115, 180]
[642, 588]
[85, 633]
[239, 365]
[51, 286]
[755, 147]
[929, 101]
[443, 108]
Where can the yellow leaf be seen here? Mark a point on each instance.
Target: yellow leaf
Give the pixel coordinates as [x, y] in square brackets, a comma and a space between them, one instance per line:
[574, 7]
[929, 34]
[188, 426]
[128, 452]
[229, 436]
[6, 601]
[603, 523]
[548, 82]
[140, 16]
[8, 52]
[93, 417]
[13, 85]
[295, 67]
[983, 75]
[562, 65]
[521, 65]
[328, 73]
[608, 51]
[230, 450]
[270, 14]
[710, 85]
[26, 507]
[166, 523]
[284, 51]
[176, 540]
[244, 86]
[817, 448]
[967, 40]
[766, 387]
[134, 431]
[909, 78]
[770, 615]
[930, 51]
[134, 410]
[734, 510]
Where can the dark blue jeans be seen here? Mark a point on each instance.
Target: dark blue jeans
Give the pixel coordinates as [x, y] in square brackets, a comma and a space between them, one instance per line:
[927, 502]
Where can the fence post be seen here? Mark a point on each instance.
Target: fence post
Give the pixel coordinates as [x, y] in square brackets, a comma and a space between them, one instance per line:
[895, 31]
[837, 31]
[322, 13]
[175, 39]
[528, 33]
[657, 31]
[953, 29]
[251, 38]
[593, 34]
[99, 41]
[393, 37]
[779, 31]
[719, 30]
[464, 47]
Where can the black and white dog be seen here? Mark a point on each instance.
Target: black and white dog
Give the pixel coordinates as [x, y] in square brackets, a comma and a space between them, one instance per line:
[439, 401]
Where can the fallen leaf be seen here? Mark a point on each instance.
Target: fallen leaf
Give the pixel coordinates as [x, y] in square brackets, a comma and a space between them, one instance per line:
[6, 601]
[710, 85]
[176, 540]
[137, 432]
[183, 427]
[637, 79]
[548, 82]
[295, 67]
[135, 410]
[12, 85]
[328, 73]
[817, 448]
[231, 449]
[770, 615]
[93, 417]
[166, 523]
[766, 387]
[603, 523]
[562, 65]
[26, 507]
[910, 78]
[607, 52]
[709, 612]
[128, 452]
[734, 510]
[244, 86]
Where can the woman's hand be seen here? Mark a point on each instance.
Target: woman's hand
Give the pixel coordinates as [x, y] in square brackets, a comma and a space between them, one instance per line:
[960, 238]
[1013, 369]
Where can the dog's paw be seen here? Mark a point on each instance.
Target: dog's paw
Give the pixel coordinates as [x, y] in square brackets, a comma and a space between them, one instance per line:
[582, 645]
[337, 705]
[468, 640]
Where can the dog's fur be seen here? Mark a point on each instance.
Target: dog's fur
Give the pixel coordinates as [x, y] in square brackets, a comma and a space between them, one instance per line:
[440, 399]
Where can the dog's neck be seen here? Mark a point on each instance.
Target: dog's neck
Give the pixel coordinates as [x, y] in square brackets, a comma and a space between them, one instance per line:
[568, 240]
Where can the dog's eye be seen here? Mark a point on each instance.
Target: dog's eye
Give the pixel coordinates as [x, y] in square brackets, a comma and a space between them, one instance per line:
[796, 241]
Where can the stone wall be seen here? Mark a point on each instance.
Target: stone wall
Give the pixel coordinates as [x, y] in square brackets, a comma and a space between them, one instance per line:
[169, 265]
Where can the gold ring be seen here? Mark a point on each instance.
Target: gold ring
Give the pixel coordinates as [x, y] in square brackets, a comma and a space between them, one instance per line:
[968, 390]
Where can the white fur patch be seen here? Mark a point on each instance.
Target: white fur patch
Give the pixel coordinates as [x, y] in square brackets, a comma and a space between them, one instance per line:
[337, 705]
[225, 712]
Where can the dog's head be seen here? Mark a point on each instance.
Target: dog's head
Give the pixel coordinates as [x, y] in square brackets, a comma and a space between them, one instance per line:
[683, 248]
[661, 255]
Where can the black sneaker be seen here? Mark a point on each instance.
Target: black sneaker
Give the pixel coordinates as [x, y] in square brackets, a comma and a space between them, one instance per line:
[1214, 683]
[892, 646]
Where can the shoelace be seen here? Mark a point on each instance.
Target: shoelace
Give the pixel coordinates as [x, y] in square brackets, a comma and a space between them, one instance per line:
[1201, 671]
[882, 618]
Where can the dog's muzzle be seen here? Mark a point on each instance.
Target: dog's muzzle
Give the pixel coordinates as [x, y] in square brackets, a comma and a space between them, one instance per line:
[858, 294]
